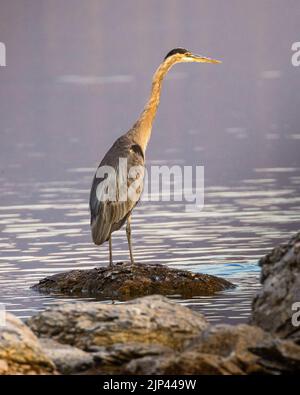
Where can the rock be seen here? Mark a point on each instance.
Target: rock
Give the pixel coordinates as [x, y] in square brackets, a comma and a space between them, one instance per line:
[20, 350]
[221, 350]
[149, 320]
[67, 359]
[225, 350]
[125, 281]
[280, 278]
[111, 359]
[119, 353]
[279, 356]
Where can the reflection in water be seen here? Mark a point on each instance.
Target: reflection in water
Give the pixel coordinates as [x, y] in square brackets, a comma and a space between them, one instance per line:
[238, 225]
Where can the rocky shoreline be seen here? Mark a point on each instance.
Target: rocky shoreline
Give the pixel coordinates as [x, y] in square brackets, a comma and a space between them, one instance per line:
[154, 335]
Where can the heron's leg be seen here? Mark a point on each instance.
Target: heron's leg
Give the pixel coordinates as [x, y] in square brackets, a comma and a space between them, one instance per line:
[110, 253]
[128, 233]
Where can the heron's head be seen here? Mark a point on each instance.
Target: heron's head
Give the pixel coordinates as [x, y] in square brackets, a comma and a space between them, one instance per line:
[182, 55]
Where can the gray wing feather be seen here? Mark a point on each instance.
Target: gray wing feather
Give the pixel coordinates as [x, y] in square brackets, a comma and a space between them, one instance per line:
[108, 216]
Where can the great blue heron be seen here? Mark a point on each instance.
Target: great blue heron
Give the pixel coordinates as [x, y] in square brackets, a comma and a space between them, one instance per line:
[108, 216]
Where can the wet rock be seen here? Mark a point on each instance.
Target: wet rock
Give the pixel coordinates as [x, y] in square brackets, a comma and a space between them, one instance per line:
[67, 359]
[125, 281]
[149, 320]
[20, 350]
[280, 278]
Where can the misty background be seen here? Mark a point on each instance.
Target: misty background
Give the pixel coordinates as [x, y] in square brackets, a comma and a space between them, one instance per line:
[79, 72]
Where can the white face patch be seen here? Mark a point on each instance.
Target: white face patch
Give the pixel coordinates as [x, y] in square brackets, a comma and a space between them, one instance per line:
[188, 59]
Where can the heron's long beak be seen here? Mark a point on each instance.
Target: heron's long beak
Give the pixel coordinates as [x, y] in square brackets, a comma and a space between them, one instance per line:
[203, 59]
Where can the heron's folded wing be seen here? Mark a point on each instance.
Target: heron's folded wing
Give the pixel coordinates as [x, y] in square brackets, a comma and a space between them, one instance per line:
[110, 208]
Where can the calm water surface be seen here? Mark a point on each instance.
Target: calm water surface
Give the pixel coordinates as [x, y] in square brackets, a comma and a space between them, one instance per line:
[77, 76]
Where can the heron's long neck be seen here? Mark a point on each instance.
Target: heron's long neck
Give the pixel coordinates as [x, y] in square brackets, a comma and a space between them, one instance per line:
[141, 131]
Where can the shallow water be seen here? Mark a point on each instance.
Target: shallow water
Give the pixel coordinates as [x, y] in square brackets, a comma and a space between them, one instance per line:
[77, 76]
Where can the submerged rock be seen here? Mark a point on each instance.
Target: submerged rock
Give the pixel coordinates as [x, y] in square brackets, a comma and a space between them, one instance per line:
[20, 350]
[125, 281]
[149, 320]
[272, 308]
